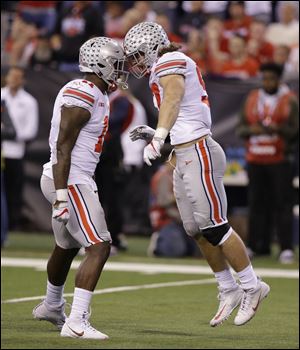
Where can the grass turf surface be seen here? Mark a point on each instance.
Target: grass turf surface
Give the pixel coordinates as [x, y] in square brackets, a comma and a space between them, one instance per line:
[170, 317]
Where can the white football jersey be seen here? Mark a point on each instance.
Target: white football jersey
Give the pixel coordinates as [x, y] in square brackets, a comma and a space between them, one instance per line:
[88, 147]
[194, 119]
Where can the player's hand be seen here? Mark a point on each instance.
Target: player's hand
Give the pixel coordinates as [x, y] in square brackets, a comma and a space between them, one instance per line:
[142, 132]
[152, 150]
[60, 211]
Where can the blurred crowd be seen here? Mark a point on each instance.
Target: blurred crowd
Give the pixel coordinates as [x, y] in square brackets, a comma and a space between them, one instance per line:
[225, 38]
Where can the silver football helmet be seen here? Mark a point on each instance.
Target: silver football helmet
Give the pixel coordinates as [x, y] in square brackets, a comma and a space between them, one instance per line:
[104, 57]
[141, 44]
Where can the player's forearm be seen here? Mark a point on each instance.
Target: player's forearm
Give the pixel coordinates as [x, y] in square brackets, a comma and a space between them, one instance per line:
[61, 170]
[168, 114]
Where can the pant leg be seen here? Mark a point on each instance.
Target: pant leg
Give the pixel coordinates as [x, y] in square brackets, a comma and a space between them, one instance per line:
[110, 193]
[62, 236]
[14, 181]
[282, 189]
[202, 168]
[184, 205]
[86, 225]
[260, 224]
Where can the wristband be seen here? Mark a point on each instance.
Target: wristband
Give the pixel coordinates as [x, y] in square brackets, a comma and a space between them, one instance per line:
[62, 195]
[161, 133]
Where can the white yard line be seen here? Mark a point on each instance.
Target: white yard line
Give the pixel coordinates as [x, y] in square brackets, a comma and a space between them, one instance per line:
[122, 289]
[40, 264]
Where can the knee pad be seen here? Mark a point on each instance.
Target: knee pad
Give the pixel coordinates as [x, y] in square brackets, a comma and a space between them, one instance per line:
[214, 235]
[191, 228]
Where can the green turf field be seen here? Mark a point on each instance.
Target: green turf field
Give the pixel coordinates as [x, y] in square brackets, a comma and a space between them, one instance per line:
[155, 316]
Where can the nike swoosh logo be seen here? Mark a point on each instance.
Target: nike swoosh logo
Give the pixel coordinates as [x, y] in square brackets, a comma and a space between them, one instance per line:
[256, 307]
[64, 211]
[76, 333]
[188, 162]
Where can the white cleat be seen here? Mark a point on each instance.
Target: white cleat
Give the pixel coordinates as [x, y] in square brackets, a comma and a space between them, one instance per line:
[43, 312]
[81, 329]
[229, 300]
[250, 302]
[286, 257]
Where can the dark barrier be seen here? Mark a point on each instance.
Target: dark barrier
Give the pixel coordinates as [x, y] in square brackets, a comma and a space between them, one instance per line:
[226, 99]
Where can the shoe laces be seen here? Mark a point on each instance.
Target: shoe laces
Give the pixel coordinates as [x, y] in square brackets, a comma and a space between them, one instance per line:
[246, 301]
[85, 320]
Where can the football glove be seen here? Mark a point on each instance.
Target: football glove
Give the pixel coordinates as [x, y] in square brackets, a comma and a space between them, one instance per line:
[60, 211]
[142, 132]
[152, 150]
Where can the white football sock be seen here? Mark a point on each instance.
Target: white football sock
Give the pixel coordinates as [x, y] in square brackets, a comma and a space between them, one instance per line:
[81, 302]
[248, 277]
[54, 296]
[225, 280]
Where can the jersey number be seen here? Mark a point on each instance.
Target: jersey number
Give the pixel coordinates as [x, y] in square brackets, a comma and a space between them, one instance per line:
[89, 83]
[99, 144]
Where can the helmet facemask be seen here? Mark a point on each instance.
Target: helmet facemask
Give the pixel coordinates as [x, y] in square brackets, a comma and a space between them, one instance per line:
[140, 62]
[141, 46]
[113, 74]
[105, 58]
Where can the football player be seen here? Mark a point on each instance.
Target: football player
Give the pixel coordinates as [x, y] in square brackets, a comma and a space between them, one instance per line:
[184, 112]
[79, 124]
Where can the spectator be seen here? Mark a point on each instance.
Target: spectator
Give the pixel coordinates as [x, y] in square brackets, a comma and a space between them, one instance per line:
[215, 8]
[22, 36]
[257, 46]
[216, 43]
[145, 10]
[269, 124]
[195, 48]
[114, 12]
[239, 65]
[238, 22]
[123, 194]
[286, 32]
[281, 57]
[130, 18]
[169, 238]
[8, 132]
[75, 25]
[41, 14]
[136, 179]
[23, 110]
[194, 19]
[164, 21]
[259, 10]
[42, 54]
[109, 177]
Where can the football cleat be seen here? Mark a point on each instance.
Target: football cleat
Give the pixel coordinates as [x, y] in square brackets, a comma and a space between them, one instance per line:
[229, 300]
[250, 302]
[43, 312]
[286, 257]
[81, 328]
